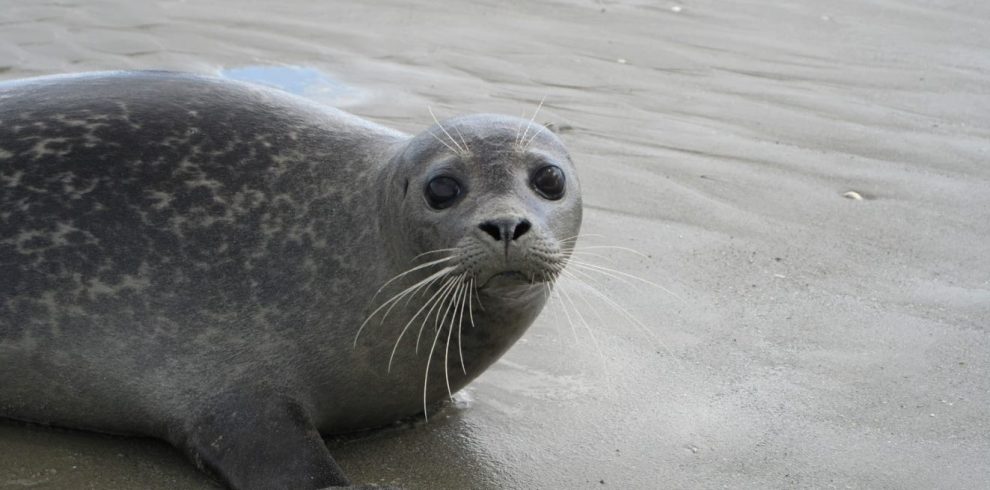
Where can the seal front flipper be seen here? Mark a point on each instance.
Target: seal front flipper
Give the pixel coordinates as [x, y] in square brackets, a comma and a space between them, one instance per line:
[259, 441]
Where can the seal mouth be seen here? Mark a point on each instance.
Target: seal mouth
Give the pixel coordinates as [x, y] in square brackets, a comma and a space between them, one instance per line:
[507, 278]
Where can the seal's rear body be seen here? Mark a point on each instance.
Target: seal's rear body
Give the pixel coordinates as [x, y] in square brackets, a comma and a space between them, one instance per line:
[149, 218]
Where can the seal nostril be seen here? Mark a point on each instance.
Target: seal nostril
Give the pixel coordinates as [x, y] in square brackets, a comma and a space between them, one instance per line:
[492, 229]
[521, 229]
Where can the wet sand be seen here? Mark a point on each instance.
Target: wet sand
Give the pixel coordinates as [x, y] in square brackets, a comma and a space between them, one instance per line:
[807, 339]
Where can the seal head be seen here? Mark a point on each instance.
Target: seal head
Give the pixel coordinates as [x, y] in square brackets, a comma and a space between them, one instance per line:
[480, 212]
[502, 204]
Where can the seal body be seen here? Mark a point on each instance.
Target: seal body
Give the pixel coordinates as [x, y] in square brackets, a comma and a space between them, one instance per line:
[235, 270]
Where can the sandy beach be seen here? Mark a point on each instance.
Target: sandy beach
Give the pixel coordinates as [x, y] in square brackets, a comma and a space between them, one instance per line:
[797, 336]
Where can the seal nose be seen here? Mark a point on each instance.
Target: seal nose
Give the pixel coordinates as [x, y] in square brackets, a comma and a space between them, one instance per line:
[506, 228]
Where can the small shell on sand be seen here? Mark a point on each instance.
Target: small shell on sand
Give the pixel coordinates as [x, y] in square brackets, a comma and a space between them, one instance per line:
[855, 196]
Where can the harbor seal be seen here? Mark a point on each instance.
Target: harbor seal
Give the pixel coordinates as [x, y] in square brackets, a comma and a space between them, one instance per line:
[237, 270]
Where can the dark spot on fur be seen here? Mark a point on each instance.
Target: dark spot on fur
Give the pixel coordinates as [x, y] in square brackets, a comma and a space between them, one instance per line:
[37, 242]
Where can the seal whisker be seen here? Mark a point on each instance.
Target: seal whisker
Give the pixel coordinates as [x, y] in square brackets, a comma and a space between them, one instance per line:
[477, 295]
[459, 302]
[437, 305]
[444, 143]
[589, 254]
[567, 315]
[450, 283]
[588, 280]
[409, 298]
[573, 275]
[530, 123]
[582, 235]
[459, 134]
[445, 306]
[474, 290]
[584, 322]
[429, 359]
[548, 298]
[416, 286]
[459, 150]
[411, 270]
[471, 318]
[399, 296]
[578, 265]
[437, 301]
[539, 128]
[607, 271]
[522, 120]
[623, 312]
[611, 247]
[439, 250]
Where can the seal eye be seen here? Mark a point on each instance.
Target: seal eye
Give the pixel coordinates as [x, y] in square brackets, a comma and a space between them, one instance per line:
[549, 182]
[442, 191]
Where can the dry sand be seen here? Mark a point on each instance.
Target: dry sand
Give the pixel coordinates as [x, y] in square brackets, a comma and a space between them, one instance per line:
[819, 341]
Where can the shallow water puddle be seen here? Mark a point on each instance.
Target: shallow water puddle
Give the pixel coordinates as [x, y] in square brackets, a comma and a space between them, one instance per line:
[299, 80]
